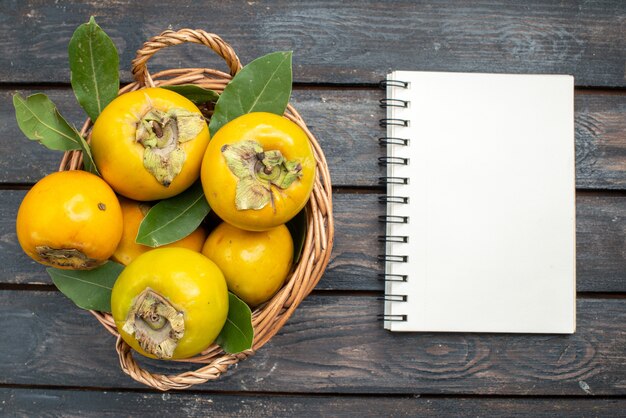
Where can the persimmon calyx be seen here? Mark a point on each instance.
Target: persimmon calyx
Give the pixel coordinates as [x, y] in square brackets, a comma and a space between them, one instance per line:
[257, 172]
[67, 257]
[155, 323]
[161, 134]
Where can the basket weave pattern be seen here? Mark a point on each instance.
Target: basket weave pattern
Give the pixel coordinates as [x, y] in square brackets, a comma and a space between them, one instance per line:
[268, 319]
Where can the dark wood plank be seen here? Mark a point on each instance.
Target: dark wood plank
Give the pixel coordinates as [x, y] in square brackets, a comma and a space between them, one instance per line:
[337, 42]
[601, 228]
[75, 403]
[601, 242]
[353, 264]
[333, 344]
[345, 121]
[600, 141]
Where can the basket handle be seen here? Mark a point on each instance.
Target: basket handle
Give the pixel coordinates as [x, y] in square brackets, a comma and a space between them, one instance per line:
[170, 38]
[184, 380]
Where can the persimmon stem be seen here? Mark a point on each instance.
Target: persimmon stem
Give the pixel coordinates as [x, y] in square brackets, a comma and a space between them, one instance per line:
[155, 323]
[67, 257]
[161, 134]
[259, 171]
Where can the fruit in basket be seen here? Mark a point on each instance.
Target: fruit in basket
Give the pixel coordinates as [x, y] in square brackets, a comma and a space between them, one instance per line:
[170, 303]
[133, 213]
[70, 220]
[255, 263]
[148, 144]
[258, 171]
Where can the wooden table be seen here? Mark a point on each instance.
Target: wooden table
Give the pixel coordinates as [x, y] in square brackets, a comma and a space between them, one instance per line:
[333, 357]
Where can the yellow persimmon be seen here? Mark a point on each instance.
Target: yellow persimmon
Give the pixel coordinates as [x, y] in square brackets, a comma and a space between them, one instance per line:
[258, 171]
[70, 220]
[148, 144]
[170, 303]
[255, 263]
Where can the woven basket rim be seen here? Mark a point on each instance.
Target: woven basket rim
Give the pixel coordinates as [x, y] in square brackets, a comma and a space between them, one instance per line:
[269, 318]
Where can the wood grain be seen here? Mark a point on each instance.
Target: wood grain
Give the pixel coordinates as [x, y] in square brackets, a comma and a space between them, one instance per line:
[336, 42]
[333, 358]
[601, 247]
[353, 264]
[333, 344]
[345, 121]
[601, 242]
[84, 404]
[600, 141]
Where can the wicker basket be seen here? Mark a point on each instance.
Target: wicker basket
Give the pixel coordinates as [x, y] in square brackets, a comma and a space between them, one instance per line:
[270, 317]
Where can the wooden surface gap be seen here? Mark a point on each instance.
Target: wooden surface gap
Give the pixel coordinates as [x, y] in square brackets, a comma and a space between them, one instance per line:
[41, 287]
[16, 186]
[600, 193]
[54, 85]
[358, 189]
[30, 287]
[600, 90]
[338, 292]
[253, 394]
[600, 295]
[365, 190]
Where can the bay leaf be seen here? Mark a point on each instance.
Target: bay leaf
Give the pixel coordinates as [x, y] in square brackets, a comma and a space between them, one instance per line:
[237, 334]
[88, 162]
[88, 289]
[297, 227]
[94, 68]
[264, 85]
[174, 218]
[196, 94]
[39, 120]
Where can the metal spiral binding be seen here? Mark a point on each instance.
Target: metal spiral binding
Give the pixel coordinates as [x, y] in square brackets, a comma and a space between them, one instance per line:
[389, 258]
[393, 121]
[393, 219]
[393, 238]
[393, 180]
[393, 83]
[393, 298]
[393, 199]
[385, 161]
[384, 103]
[386, 277]
[387, 199]
[387, 140]
[393, 318]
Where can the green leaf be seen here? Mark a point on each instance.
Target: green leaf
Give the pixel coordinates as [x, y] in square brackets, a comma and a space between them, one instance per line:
[88, 162]
[39, 120]
[237, 334]
[88, 289]
[297, 227]
[94, 67]
[264, 85]
[196, 94]
[173, 219]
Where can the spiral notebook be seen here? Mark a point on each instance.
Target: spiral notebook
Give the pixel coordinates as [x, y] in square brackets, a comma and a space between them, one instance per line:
[480, 233]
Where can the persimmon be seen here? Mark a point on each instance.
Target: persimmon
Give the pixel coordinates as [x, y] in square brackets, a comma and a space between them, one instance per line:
[148, 144]
[258, 171]
[70, 220]
[170, 303]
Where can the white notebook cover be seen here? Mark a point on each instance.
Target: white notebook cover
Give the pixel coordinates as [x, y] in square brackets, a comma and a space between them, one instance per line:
[491, 213]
